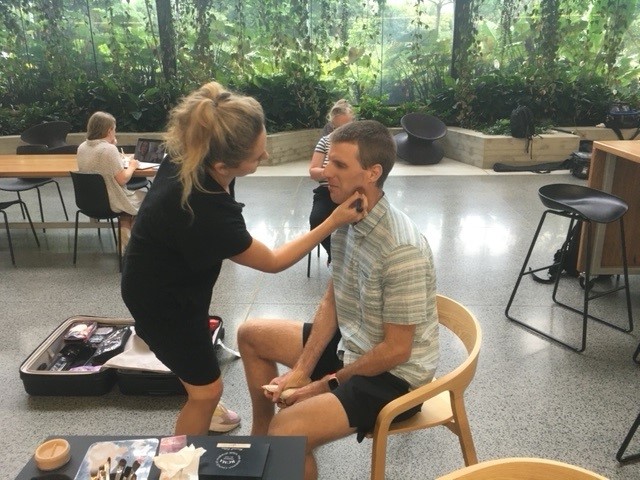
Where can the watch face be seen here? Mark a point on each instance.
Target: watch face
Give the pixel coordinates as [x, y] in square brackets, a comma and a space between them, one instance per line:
[333, 383]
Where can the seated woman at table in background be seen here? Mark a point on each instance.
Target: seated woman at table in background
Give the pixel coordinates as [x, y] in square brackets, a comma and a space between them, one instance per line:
[99, 154]
[340, 114]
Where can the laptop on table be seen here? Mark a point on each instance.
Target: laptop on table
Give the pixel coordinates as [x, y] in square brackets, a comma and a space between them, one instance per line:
[149, 152]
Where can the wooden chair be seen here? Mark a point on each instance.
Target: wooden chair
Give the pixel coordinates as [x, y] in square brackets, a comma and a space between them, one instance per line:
[442, 399]
[522, 469]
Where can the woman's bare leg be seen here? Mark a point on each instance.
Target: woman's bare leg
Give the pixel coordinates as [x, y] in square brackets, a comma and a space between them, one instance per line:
[195, 416]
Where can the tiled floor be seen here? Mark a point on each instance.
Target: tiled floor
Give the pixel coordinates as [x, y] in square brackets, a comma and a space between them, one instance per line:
[529, 397]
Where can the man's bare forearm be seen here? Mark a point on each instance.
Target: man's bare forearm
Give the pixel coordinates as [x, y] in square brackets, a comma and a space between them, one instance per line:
[394, 350]
[325, 324]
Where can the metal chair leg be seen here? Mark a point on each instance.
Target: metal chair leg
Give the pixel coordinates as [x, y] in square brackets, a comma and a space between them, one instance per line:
[309, 260]
[636, 355]
[75, 239]
[6, 226]
[64, 208]
[625, 443]
[31, 225]
[21, 205]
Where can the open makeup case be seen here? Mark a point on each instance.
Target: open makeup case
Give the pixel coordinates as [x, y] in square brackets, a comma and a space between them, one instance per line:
[88, 355]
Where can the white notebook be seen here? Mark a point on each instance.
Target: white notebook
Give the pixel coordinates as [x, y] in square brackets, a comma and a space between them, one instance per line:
[146, 165]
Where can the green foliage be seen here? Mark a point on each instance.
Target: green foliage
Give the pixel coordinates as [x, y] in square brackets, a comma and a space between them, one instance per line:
[377, 108]
[566, 59]
[293, 99]
[503, 127]
[565, 100]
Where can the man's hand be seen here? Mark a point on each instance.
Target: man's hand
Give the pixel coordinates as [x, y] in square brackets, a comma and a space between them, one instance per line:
[302, 393]
[291, 379]
[352, 210]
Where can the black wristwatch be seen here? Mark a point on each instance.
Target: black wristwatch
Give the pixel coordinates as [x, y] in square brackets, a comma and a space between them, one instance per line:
[333, 382]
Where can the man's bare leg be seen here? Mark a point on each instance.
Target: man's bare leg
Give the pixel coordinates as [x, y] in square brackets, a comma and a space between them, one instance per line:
[263, 344]
[321, 419]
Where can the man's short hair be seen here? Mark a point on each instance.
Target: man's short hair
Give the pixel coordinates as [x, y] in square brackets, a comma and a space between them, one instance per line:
[375, 144]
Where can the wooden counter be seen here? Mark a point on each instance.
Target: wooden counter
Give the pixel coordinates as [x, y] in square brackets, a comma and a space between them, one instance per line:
[615, 168]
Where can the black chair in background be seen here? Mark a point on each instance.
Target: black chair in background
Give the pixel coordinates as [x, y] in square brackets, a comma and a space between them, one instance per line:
[64, 149]
[51, 134]
[42, 139]
[589, 206]
[417, 144]
[19, 185]
[92, 200]
[5, 205]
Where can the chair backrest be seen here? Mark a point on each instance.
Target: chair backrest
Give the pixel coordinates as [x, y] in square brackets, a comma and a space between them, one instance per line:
[522, 469]
[32, 149]
[464, 325]
[91, 194]
[423, 126]
[443, 397]
[64, 149]
[51, 134]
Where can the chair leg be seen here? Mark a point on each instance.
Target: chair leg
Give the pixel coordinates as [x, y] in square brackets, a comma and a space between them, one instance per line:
[309, 260]
[6, 226]
[64, 208]
[21, 205]
[463, 431]
[636, 355]
[31, 224]
[118, 246]
[378, 456]
[625, 443]
[113, 230]
[75, 239]
[40, 204]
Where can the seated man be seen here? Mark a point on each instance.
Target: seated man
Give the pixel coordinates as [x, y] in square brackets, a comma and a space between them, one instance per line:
[375, 334]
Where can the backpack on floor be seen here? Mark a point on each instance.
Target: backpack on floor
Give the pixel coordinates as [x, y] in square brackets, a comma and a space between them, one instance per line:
[522, 124]
[570, 264]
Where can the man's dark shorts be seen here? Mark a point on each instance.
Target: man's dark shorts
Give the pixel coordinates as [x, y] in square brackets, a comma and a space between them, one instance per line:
[361, 397]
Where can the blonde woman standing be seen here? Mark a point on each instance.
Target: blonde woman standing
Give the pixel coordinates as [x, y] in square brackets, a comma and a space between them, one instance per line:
[188, 224]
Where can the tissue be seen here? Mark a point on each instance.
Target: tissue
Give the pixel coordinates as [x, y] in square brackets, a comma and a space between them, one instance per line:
[181, 465]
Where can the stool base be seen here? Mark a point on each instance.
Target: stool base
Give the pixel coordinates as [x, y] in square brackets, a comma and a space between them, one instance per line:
[588, 283]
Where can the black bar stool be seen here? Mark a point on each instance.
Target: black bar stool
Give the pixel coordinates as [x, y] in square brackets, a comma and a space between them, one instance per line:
[588, 205]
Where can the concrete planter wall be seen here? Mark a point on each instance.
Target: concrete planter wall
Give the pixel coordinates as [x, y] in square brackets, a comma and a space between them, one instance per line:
[480, 150]
[283, 147]
[466, 146]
